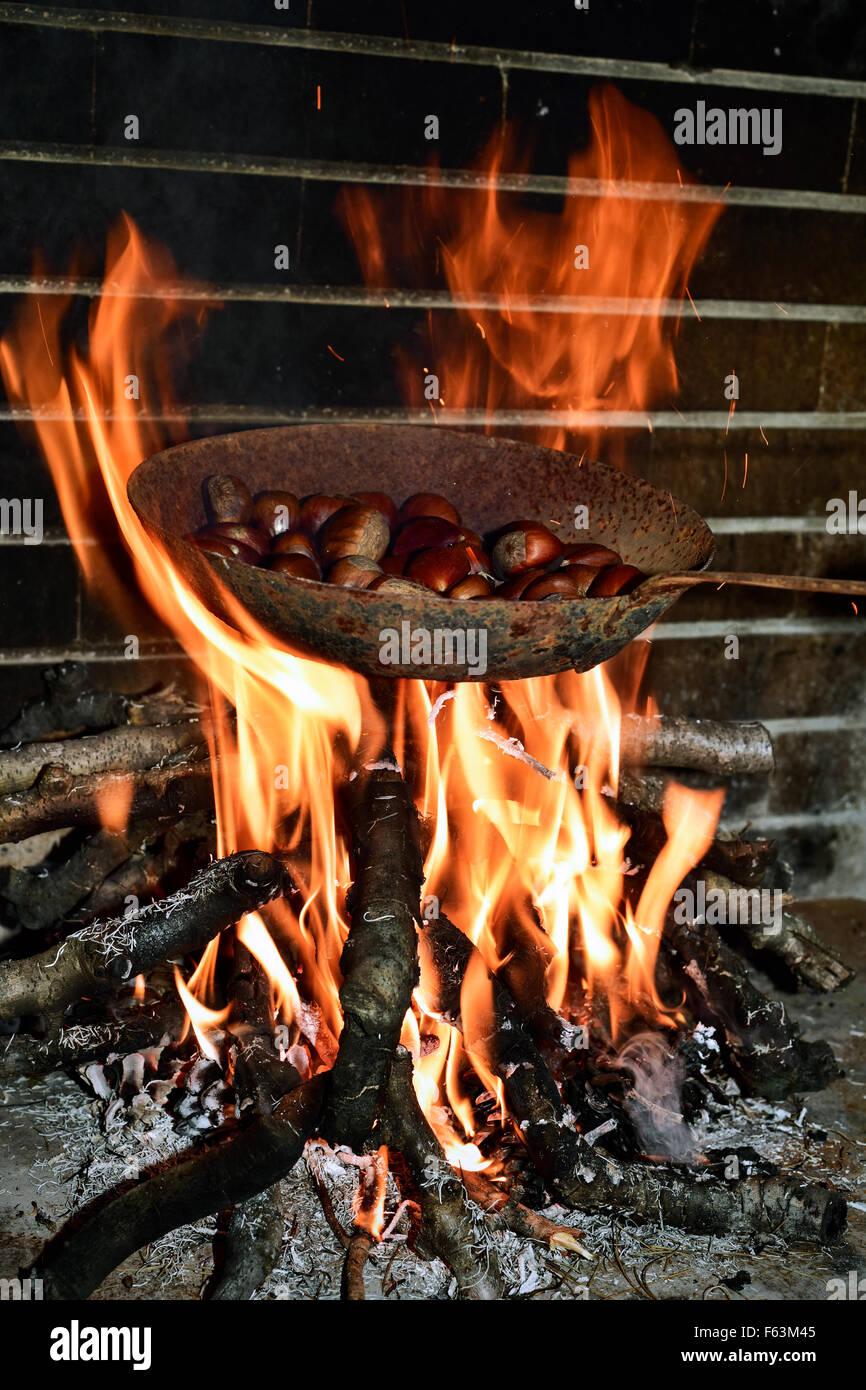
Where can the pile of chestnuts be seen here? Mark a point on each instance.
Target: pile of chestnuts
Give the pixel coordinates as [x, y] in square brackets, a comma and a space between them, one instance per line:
[366, 542]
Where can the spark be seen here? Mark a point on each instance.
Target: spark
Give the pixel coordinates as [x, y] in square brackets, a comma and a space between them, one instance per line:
[319, 97]
[856, 609]
[44, 337]
[335, 354]
[725, 484]
[780, 309]
[745, 470]
[763, 436]
[481, 330]
[674, 509]
[692, 302]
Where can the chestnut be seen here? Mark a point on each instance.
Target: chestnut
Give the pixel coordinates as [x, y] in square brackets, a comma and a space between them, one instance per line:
[276, 512]
[354, 572]
[243, 535]
[473, 586]
[390, 584]
[551, 586]
[589, 553]
[317, 509]
[582, 576]
[228, 550]
[615, 579]
[293, 543]
[423, 531]
[354, 530]
[524, 545]
[394, 564]
[382, 502]
[227, 498]
[437, 568]
[297, 566]
[428, 504]
[514, 588]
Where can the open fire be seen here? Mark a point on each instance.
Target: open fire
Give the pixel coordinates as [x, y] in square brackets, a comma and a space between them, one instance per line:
[547, 970]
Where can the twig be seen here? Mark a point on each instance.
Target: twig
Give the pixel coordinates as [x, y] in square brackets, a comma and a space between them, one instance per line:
[352, 1287]
[58, 799]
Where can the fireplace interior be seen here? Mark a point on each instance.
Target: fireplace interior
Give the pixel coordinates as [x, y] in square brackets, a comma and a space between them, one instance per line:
[529, 968]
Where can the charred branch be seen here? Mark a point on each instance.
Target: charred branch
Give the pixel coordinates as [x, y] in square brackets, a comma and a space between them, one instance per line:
[71, 705]
[352, 1286]
[58, 799]
[791, 939]
[765, 1049]
[452, 1228]
[254, 1240]
[100, 956]
[91, 1042]
[379, 961]
[227, 1174]
[39, 899]
[129, 748]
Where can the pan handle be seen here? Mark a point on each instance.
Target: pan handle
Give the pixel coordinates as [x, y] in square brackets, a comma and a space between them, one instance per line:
[799, 583]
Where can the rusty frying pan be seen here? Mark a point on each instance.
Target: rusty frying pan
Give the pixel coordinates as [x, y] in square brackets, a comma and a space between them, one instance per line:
[490, 481]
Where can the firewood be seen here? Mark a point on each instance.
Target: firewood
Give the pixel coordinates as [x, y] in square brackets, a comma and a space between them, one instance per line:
[254, 1240]
[352, 1286]
[586, 1178]
[639, 802]
[72, 705]
[227, 1173]
[451, 1228]
[767, 1054]
[59, 799]
[37, 899]
[80, 1043]
[147, 869]
[790, 938]
[379, 960]
[705, 745]
[506, 1211]
[100, 956]
[129, 748]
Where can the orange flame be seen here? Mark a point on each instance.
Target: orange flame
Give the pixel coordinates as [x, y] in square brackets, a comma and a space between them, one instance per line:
[526, 851]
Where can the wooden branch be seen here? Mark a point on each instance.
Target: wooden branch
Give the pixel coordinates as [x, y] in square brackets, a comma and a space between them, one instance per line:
[22, 1055]
[706, 745]
[58, 799]
[254, 1241]
[506, 1211]
[585, 1178]
[128, 748]
[352, 1287]
[95, 959]
[226, 1174]
[451, 1228]
[37, 900]
[791, 939]
[379, 960]
[767, 1054]
[72, 705]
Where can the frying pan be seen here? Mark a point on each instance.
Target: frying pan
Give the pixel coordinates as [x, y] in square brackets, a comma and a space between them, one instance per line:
[490, 481]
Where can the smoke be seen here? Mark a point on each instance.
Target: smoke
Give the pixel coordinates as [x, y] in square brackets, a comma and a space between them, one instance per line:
[653, 1102]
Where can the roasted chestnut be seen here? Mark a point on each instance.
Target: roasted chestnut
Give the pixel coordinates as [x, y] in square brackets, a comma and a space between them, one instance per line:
[236, 531]
[294, 543]
[390, 584]
[354, 572]
[229, 550]
[276, 512]
[424, 531]
[473, 586]
[583, 576]
[394, 564]
[382, 502]
[428, 504]
[318, 508]
[524, 545]
[514, 588]
[559, 585]
[615, 579]
[439, 568]
[227, 498]
[355, 530]
[591, 554]
[298, 566]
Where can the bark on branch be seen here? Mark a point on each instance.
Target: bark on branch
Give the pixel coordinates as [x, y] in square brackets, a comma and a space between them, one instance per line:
[379, 960]
[100, 956]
